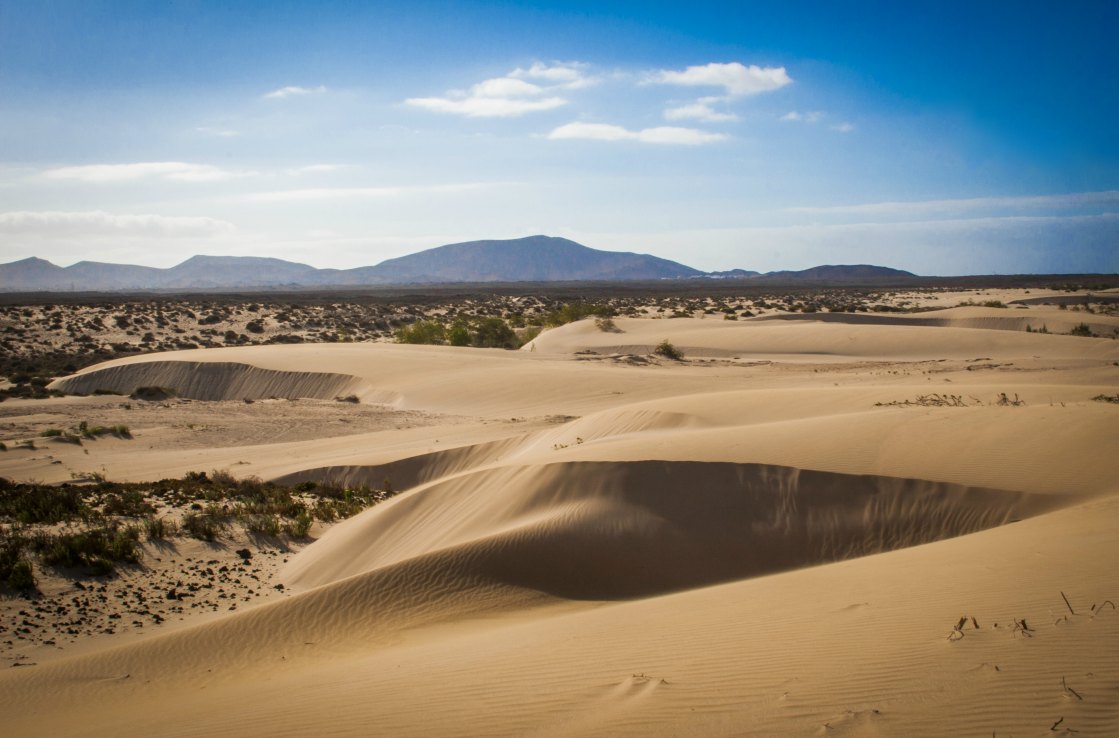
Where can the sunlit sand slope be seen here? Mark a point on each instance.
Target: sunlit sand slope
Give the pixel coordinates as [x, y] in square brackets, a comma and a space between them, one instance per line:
[876, 526]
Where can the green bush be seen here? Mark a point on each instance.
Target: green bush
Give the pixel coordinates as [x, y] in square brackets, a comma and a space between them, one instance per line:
[1082, 329]
[421, 332]
[21, 576]
[668, 351]
[203, 526]
[300, 527]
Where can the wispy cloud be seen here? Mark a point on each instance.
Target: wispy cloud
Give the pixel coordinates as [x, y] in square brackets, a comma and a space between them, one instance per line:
[169, 170]
[512, 95]
[700, 110]
[735, 78]
[1106, 198]
[812, 116]
[96, 222]
[220, 132]
[843, 127]
[318, 168]
[351, 193]
[293, 91]
[658, 135]
[565, 75]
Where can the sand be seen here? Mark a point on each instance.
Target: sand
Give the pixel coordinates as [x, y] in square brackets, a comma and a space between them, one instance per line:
[778, 535]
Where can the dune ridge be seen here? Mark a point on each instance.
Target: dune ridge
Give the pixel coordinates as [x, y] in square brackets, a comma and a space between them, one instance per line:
[603, 531]
[210, 381]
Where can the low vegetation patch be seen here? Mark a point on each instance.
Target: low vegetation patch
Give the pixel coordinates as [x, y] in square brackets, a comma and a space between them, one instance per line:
[97, 527]
[668, 351]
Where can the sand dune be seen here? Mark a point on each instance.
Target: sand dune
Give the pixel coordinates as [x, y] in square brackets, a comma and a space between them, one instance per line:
[777, 536]
[210, 381]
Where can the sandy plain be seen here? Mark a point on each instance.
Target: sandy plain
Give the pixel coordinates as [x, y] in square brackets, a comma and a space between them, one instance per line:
[819, 524]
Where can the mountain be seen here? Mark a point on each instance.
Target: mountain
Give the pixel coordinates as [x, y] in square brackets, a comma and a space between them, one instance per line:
[531, 259]
[17, 275]
[215, 272]
[840, 273]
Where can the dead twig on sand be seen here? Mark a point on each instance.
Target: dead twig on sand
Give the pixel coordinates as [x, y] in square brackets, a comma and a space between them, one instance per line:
[1067, 603]
[1070, 690]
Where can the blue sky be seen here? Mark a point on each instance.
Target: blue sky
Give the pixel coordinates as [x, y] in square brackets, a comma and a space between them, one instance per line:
[949, 138]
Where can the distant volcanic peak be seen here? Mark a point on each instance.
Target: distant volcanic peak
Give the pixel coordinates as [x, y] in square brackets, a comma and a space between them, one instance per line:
[536, 258]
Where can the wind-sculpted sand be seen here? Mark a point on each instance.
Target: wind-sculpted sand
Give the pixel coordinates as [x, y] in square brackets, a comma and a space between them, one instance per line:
[821, 526]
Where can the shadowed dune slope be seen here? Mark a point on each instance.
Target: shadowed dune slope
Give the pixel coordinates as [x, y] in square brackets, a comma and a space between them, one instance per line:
[210, 381]
[588, 530]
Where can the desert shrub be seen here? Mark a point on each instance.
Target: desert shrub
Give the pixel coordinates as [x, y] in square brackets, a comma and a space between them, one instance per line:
[157, 529]
[203, 526]
[606, 325]
[668, 351]
[153, 394]
[300, 527]
[31, 504]
[15, 569]
[51, 433]
[129, 503]
[458, 334]
[1082, 329]
[97, 549]
[21, 576]
[266, 525]
[349, 398]
[494, 333]
[421, 332]
[573, 311]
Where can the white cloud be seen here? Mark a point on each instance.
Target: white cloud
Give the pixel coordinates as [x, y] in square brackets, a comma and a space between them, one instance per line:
[349, 193]
[658, 135]
[317, 168]
[292, 91]
[701, 111]
[512, 95]
[737, 79]
[843, 127]
[220, 132]
[1106, 198]
[501, 97]
[170, 170]
[567, 75]
[99, 223]
[812, 116]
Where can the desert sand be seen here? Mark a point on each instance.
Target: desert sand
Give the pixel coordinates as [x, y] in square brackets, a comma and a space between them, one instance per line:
[814, 525]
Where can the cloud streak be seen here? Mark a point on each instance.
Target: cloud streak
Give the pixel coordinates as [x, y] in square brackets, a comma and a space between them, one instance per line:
[736, 79]
[175, 171]
[700, 110]
[313, 194]
[53, 223]
[512, 95]
[1106, 198]
[293, 91]
[660, 135]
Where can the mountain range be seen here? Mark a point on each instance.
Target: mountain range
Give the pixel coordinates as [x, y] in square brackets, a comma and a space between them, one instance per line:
[530, 259]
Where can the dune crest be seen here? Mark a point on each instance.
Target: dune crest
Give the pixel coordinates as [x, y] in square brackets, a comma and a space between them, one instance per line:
[211, 381]
[615, 530]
